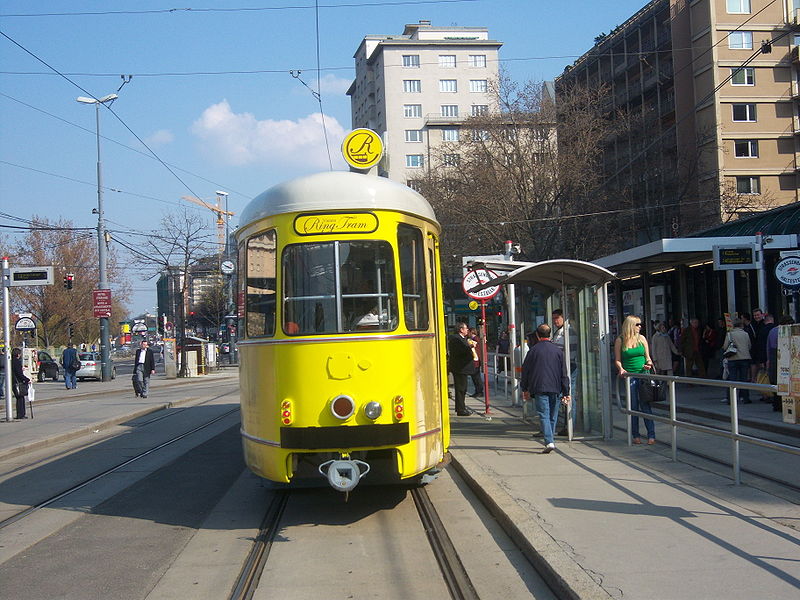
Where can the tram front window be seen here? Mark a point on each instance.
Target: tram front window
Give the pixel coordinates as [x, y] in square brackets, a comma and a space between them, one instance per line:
[338, 287]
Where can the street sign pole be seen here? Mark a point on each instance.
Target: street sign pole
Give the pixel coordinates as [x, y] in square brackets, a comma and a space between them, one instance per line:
[484, 356]
[473, 278]
[7, 337]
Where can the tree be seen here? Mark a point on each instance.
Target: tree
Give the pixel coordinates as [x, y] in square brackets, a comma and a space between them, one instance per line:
[68, 250]
[510, 176]
[181, 242]
[210, 311]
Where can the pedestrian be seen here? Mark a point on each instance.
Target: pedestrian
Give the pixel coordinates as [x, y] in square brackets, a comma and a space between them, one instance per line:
[2, 372]
[737, 342]
[558, 339]
[20, 382]
[144, 365]
[460, 364]
[545, 379]
[691, 349]
[759, 349]
[477, 382]
[661, 350]
[632, 355]
[71, 364]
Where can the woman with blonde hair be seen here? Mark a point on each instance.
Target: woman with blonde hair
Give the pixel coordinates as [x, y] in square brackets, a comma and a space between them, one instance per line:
[632, 355]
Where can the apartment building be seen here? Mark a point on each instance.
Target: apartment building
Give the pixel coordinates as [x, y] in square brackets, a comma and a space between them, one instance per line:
[709, 91]
[416, 89]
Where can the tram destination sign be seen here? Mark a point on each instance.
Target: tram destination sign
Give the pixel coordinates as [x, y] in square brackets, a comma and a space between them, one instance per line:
[741, 256]
[19, 276]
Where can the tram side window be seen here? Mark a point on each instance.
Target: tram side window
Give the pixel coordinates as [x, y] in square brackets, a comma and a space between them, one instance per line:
[412, 276]
[360, 283]
[260, 293]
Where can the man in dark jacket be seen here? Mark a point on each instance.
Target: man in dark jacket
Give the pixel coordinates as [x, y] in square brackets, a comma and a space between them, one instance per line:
[545, 379]
[144, 365]
[460, 364]
[70, 360]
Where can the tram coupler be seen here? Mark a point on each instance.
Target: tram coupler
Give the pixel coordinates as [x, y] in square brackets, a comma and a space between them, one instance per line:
[344, 474]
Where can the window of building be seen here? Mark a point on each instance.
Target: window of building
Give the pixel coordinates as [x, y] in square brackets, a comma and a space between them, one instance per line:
[480, 135]
[413, 135]
[449, 135]
[411, 61]
[477, 60]
[745, 148]
[739, 7]
[479, 110]
[748, 185]
[259, 287]
[743, 76]
[414, 184]
[413, 280]
[447, 61]
[412, 86]
[744, 112]
[478, 85]
[415, 161]
[449, 110]
[450, 160]
[740, 40]
[448, 85]
[339, 287]
[412, 110]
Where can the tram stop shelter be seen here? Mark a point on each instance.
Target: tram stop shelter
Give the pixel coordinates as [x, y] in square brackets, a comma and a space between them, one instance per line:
[580, 289]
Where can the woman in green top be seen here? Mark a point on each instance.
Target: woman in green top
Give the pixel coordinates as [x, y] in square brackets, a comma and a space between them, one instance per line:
[632, 355]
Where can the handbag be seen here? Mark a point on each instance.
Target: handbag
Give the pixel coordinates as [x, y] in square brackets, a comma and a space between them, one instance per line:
[731, 349]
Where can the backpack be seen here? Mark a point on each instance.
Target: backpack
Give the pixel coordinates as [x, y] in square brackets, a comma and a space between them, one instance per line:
[75, 365]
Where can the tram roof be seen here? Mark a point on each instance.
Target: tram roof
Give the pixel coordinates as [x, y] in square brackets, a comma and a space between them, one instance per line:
[336, 191]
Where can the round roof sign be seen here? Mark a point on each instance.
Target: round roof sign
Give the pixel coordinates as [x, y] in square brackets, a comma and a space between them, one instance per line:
[227, 267]
[787, 271]
[362, 148]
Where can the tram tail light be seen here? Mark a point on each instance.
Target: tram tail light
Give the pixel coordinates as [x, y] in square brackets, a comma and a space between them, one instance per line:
[286, 412]
[399, 411]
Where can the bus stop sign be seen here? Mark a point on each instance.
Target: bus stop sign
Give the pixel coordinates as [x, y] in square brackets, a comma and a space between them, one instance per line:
[476, 277]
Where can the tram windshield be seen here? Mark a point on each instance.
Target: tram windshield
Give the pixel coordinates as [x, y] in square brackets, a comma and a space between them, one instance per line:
[339, 287]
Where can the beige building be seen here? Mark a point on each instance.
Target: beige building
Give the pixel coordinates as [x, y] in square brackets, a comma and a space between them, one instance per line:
[416, 89]
[712, 90]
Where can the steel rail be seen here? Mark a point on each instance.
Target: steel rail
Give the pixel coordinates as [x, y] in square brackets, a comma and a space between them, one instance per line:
[250, 575]
[28, 511]
[453, 571]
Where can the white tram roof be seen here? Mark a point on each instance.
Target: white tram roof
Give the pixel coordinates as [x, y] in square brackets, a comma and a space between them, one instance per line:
[336, 190]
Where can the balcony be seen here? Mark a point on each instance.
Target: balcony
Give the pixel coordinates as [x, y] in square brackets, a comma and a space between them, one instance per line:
[439, 119]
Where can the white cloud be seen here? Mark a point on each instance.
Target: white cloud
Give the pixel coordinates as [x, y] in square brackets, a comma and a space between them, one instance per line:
[162, 137]
[241, 139]
[330, 84]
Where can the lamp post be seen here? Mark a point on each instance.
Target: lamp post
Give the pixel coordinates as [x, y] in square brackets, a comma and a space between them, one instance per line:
[101, 236]
[229, 322]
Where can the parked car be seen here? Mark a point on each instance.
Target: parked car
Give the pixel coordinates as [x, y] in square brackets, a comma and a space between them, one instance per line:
[48, 368]
[91, 367]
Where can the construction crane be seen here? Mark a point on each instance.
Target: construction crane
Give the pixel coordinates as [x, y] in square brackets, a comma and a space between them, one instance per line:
[219, 211]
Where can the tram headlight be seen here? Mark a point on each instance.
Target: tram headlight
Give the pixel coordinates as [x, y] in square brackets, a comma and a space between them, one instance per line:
[373, 410]
[343, 407]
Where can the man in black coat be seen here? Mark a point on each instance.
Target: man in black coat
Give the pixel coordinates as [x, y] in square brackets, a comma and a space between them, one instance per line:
[545, 378]
[459, 359]
[144, 365]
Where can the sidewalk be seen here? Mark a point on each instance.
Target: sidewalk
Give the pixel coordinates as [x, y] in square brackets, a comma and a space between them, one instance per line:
[604, 520]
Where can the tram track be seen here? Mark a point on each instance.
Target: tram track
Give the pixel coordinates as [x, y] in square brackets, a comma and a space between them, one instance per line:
[15, 518]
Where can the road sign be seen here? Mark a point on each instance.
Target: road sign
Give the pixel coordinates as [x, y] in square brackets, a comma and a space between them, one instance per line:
[101, 301]
[227, 267]
[362, 148]
[139, 327]
[25, 324]
[477, 277]
[787, 271]
[19, 276]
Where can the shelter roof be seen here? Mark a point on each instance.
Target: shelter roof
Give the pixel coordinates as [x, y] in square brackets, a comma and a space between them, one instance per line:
[552, 275]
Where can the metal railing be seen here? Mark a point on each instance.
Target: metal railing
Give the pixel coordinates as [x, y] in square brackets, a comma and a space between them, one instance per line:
[675, 424]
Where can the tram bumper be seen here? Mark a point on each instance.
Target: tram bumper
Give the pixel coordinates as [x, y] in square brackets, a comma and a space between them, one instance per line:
[344, 474]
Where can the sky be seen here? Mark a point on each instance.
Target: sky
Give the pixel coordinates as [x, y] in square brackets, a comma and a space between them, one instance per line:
[220, 97]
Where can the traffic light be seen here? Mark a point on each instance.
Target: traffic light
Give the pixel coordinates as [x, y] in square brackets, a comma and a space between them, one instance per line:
[68, 279]
[71, 330]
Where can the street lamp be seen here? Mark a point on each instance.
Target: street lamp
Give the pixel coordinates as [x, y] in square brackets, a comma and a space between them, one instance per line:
[101, 236]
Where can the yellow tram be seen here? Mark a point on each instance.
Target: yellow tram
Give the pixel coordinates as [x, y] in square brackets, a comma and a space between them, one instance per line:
[342, 351]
